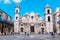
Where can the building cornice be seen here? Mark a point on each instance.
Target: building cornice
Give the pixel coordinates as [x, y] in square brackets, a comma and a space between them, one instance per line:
[5, 12]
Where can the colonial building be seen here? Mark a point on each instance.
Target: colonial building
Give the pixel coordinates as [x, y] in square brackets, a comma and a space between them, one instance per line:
[6, 25]
[56, 20]
[33, 23]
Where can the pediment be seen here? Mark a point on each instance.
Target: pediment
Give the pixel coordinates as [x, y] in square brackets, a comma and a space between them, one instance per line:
[32, 14]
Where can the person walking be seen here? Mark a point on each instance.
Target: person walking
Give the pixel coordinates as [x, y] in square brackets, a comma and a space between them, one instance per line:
[25, 34]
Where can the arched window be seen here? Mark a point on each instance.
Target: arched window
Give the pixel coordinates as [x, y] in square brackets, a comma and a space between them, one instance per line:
[49, 18]
[48, 11]
[16, 11]
[21, 24]
[16, 17]
[32, 17]
[42, 24]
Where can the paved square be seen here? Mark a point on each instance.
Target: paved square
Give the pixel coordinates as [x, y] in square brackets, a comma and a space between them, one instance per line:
[31, 37]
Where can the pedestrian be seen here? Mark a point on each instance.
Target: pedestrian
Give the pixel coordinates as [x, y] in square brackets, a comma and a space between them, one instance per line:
[25, 34]
[52, 33]
[28, 34]
[5, 33]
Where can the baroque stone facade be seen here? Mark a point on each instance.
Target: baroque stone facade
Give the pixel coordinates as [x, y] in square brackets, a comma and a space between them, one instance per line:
[33, 23]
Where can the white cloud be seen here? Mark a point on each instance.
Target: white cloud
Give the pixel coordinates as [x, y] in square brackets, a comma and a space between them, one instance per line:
[17, 1]
[10, 1]
[7, 2]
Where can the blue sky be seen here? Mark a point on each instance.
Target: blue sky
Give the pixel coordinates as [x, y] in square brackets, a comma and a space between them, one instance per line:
[27, 6]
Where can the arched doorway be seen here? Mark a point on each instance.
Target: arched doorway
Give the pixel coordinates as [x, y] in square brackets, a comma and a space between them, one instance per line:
[42, 30]
[32, 29]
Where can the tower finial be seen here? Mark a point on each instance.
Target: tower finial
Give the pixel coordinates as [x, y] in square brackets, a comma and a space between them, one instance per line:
[17, 6]
[47, 6]
[17, 9]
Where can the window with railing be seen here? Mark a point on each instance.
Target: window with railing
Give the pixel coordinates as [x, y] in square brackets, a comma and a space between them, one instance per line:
[6, 17]
[59, 17]
[10, 19]
[0, 16]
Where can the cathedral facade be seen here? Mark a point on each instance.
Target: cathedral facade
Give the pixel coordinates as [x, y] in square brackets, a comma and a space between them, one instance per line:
[33, 23]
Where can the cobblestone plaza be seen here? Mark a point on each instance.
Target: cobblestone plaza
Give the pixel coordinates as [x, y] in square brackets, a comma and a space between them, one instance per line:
[31, 37]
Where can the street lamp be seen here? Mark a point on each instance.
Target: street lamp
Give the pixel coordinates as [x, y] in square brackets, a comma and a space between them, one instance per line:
[59, 22]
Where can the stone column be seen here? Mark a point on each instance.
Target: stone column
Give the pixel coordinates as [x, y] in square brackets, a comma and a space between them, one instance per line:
[0, 29]
[4, 29]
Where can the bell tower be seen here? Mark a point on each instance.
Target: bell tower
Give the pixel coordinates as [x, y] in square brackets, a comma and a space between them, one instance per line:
[48, 19]
[16, 20]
